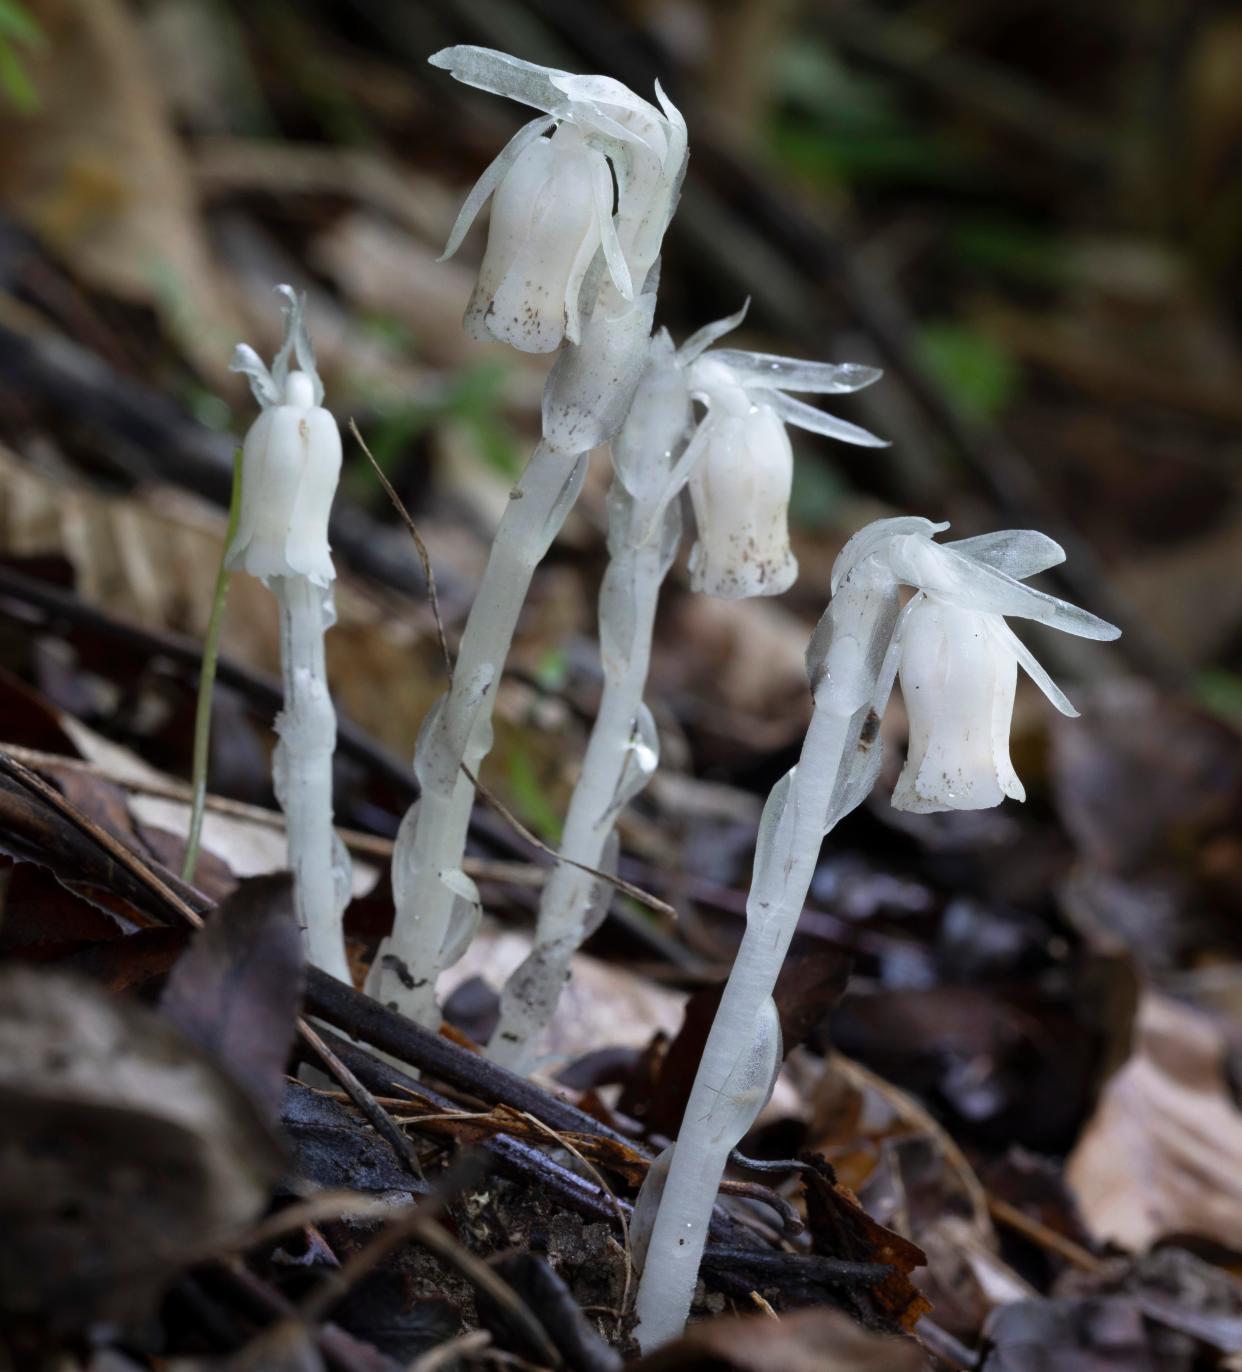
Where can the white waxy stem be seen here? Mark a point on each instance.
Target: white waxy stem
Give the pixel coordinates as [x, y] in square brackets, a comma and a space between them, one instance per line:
[958, 679]
[291, 462]
[644, 529]
[429, 884]
[852, 660]
[302, 772]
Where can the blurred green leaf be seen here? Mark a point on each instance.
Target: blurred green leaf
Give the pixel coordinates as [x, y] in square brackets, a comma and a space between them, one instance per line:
[980, 375]
[1220, 691]
[18, 27]
[532, 806]
[1011, 249]
[817, 492]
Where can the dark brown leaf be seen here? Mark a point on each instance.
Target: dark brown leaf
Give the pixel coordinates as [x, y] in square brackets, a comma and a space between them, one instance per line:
[237, 991]
[124, 1150]
[805, 1341]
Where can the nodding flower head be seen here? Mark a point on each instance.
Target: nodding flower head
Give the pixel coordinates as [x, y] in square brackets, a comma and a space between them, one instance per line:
[956, 657]
[553, 215]
[739, 463]
[291, 462]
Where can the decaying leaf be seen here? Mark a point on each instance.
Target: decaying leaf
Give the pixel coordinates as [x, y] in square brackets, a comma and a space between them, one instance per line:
[102, 177]
[806, 1341]
[1087, 1336]
[122, 1149]
[237, 990]
[1163, 1152]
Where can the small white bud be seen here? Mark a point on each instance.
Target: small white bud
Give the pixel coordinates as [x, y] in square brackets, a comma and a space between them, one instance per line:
[291, 462]
[958, 677]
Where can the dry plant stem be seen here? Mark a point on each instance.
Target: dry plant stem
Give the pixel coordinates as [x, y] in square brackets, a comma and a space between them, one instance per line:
[207, 682]
[302, 772]
[530, 995]
[431, 889]
[833, 775]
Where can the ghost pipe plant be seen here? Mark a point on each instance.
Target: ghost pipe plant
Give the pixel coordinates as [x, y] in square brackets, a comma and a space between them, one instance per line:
[562, 269]
[739, 466]
[958, 662]
[291, 461]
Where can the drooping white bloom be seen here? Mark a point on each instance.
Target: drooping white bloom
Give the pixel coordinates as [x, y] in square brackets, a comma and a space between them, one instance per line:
[739, 463]
[958, 678]
[957, 659]
[553, 208]
[958, 663]
[291, 463]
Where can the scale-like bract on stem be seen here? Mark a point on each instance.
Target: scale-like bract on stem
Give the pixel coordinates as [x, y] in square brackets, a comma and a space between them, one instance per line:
[955, 656]
[563, 268]
[741, 445]
[291, 462]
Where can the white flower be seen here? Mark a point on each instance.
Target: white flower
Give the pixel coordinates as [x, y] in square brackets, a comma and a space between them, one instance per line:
[958, 678]
[956, 657]
[291, 462]
[553, 207]
[739, 464]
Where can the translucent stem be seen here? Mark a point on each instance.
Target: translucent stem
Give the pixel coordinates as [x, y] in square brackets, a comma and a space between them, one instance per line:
[619, 759]
[302, 772]
[207, 682]
[432, 893]
[836, 768]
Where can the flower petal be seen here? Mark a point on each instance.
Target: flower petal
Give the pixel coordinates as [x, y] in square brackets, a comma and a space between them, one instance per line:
[793, 374]
[1032, 666]
[1018, 553]
[973, 585]
[808, 417]
[872, 537]
[602, 189]
[248, 362]
[702, 339]
[486, 69]
[488, 182]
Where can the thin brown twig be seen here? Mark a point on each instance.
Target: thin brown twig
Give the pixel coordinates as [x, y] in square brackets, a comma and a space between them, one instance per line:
[416, 1222]
[1038, 1232]
[142, 872]
[634, 892]
[423, 555]
[598, 1179]
[625, 887]
[378, 1118]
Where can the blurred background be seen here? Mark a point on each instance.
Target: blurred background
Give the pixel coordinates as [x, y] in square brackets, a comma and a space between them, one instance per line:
[1029, 214]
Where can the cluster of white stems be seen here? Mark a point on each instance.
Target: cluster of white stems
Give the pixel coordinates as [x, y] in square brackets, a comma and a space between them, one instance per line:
[581, 198]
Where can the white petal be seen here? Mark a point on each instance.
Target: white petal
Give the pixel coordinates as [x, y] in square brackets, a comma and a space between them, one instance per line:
[702, 339]
[792, 374]
[1033, 667]
[740, 493]
[973, 585]
[487, 183]
[875, 536]
[251, 365]
[808, 417]
[602, 189]
[1018, 553]
[486, 69]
